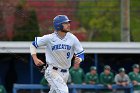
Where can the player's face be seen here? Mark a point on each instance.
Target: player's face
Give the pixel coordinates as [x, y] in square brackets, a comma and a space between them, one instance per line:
[76, 65]
[136, 70]
[66, 26]
[93, 72]
[122, 74]
[107, 71]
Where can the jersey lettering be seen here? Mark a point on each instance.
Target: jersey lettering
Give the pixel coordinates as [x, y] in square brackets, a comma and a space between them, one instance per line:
[68, 55]
[61, 46]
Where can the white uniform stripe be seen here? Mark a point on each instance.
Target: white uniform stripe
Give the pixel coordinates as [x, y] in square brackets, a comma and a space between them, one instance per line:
[80, 53]
[36, 42]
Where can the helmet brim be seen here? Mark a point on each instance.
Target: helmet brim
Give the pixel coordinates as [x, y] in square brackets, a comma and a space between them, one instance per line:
[66, 21]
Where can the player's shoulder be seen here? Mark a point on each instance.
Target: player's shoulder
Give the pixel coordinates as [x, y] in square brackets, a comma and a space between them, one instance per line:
[117, 75]
[131, 73]
[102, 73]
[48, 35]
[72, 68]
[80, 69]
[88, 74]
[126, 75]
[69, 34]
[111, 73]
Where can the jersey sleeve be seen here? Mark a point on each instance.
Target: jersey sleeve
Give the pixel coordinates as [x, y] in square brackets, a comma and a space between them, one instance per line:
[83, 76]
[78, 49]
[101, 79]
[40, 41]
[131, 76]
[112, 81]
[87, 80]
[127, 78]
[116, 79]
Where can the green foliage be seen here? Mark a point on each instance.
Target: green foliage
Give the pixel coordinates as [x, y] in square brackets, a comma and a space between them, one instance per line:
[26, 26]
[135, 20]
[22, 2]
[102, 18]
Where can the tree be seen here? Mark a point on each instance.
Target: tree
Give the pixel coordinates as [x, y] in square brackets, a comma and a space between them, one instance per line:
[135, 20]
[101, 19]
[26, 25]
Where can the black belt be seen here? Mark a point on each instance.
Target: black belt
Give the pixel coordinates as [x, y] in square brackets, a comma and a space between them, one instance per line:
[62, 70]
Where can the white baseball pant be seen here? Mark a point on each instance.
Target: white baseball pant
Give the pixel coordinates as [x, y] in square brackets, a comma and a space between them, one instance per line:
[57, 80]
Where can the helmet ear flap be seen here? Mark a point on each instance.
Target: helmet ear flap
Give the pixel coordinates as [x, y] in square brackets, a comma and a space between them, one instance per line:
[59, 27]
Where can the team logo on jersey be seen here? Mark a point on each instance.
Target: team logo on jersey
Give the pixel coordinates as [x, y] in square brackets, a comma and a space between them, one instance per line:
[61, 46]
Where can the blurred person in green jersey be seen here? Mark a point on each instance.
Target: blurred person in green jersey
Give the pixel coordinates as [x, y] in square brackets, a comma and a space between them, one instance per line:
[44, 82]
[135, 78]
[92, 76]
[107, 78]
[2, 89]
[77, 74]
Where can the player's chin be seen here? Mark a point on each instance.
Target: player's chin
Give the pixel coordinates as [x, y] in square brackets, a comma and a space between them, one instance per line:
[65, 31]
[68, 30]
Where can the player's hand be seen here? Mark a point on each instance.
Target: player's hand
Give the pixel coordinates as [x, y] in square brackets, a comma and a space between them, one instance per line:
[37, 61]
[83, 83]
[77, 60]
[109, 86]
[118, 83]
[92, 82]
[135, 82]
[124, 84]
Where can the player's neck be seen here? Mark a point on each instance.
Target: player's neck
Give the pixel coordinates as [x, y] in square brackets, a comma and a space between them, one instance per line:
[61, 34]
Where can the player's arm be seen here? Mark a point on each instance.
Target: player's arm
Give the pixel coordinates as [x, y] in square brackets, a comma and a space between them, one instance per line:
[37, 61]
[128, 79]
[39, 41]
[79, 51]
[79, 58]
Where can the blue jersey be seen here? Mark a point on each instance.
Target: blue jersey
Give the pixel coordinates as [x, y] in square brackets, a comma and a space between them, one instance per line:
[59, 51]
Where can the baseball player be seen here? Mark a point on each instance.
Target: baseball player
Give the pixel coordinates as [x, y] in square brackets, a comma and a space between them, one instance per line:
[60, 47]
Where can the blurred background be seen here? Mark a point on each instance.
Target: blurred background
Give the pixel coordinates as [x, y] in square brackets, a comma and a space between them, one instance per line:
[92, 21]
